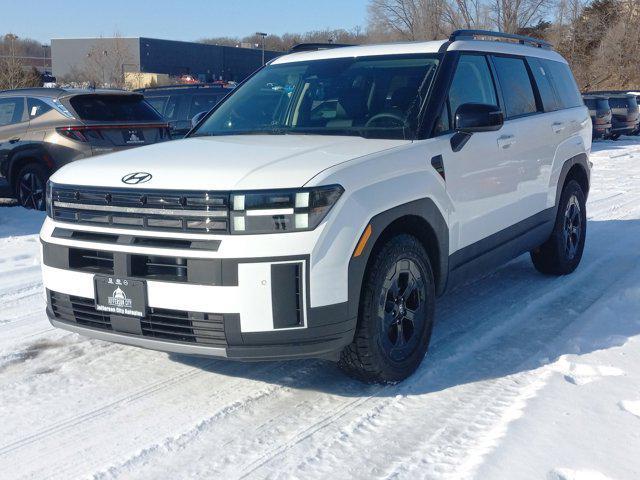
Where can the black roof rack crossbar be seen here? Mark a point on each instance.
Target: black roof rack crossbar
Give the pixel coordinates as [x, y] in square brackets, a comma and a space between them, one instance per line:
[310, 47]
[521, 39]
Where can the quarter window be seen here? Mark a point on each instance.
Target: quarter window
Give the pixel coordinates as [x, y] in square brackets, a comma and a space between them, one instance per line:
[11, 110]
[564, 83]
[515, 83]
[37, 107]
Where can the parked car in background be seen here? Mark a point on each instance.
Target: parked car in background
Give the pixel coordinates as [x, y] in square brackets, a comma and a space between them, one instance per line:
[600, 113]
[42, 129]
[180, 103]
[626, 114]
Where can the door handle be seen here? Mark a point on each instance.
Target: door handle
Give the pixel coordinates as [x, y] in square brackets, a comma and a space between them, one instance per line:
[506, 141]
[558, 127]
[14, 140]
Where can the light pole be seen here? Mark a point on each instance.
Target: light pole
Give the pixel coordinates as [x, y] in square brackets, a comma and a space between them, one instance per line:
[264, 40]
[44, 57]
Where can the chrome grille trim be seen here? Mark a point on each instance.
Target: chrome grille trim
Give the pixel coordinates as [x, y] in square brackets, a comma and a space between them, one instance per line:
[141, 210]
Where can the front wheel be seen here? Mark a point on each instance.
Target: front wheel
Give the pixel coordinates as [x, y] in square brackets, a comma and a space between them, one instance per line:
[395, 315]
[562, 252]
[31, 185]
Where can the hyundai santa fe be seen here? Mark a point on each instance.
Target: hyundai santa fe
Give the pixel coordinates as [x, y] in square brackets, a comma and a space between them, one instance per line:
[322, 207]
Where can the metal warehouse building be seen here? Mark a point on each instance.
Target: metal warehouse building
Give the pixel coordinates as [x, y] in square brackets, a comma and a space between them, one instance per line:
[151, 55]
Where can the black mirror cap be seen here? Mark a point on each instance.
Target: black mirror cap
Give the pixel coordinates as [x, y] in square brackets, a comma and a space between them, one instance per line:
[478, 117]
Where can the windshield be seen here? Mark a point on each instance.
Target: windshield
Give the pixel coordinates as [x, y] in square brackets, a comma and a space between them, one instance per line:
[369, 96]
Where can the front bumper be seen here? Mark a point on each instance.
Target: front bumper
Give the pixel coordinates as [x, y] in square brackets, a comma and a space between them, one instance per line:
[202, 303]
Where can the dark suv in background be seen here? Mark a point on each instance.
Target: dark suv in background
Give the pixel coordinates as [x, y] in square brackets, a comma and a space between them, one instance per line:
[626, 114]
[601, 116]
[180, 103]
[42, 129]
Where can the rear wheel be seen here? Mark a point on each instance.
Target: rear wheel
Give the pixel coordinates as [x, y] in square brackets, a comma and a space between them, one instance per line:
[395, 316]
[31, 184]
[562, 253]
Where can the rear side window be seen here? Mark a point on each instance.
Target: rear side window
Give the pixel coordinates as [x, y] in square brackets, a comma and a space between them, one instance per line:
[564, 84]
[37, 107]
[11, 110]
[203, 103]
[515, 83]
[114, 108]
[543, 82]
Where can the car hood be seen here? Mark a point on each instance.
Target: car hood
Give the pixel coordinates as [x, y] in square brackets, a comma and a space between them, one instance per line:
[241, 162]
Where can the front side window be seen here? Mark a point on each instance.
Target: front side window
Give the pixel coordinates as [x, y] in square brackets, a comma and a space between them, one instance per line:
[472, 83]
[367, 96]
[11, 110]
[158, 103]
[517, 90]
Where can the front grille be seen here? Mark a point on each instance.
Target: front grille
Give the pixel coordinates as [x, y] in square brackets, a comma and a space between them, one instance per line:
[159, 323]
[78, 310]
[195, 212]
[178, 326]
[96, 261]
[153, 267]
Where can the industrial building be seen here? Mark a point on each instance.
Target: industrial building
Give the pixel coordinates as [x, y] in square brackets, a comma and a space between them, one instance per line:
[120, 57]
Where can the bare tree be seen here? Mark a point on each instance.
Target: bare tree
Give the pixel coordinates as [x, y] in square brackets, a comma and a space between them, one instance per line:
[13, 72]
[106, 62]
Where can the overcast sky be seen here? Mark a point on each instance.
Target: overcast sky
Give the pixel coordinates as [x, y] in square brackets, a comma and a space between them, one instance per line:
[174, 19]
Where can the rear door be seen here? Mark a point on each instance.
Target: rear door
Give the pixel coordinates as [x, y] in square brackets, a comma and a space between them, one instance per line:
[480, 178]
[14, 122]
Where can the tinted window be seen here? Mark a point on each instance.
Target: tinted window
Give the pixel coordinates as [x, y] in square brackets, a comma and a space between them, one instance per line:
[564, 83]
[11, 110]
[472, 83]
[543, 82]
[114, 108]
[171, 110]
[203, 103]
[158, 103]
[366, 96]
[517, 90]
[623, 102]
[37, 107]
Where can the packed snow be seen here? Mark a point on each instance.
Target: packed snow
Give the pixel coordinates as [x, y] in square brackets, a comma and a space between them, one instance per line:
[528, 377]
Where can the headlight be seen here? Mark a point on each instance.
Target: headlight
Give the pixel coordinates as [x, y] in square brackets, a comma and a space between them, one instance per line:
[281, 211]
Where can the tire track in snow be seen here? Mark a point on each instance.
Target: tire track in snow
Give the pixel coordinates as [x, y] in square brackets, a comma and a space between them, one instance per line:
[524, 385]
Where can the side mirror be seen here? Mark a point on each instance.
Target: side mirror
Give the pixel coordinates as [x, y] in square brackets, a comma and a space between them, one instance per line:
[196, 118]
[473, 118]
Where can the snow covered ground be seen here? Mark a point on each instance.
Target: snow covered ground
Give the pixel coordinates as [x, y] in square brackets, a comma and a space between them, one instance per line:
[528, 377]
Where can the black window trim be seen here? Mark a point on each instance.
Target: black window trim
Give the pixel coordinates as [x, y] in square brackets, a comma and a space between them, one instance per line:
[551, 85]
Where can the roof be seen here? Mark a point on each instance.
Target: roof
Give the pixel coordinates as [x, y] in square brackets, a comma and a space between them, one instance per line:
[435, 46]
[60, 92]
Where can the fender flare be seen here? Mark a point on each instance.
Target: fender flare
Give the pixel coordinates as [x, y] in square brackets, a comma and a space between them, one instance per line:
[581, 159]
[424, 209]
[30, 151]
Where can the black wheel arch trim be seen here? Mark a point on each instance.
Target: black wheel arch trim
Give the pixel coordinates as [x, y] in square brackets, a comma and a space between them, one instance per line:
[583, 161]
[35, 153]
[426, 210]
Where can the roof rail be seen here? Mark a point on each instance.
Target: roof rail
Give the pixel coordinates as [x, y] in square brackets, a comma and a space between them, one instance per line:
[521, 39]
[34, 91]
[310, 47]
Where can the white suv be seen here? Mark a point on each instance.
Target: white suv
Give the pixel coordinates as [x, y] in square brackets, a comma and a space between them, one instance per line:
[320, 209]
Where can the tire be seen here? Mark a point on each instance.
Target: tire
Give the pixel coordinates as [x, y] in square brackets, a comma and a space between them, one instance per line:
[396, 313]
[562, 252]
[30, 186]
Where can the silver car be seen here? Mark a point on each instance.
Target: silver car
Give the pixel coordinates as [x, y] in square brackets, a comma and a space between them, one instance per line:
[42, 129]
